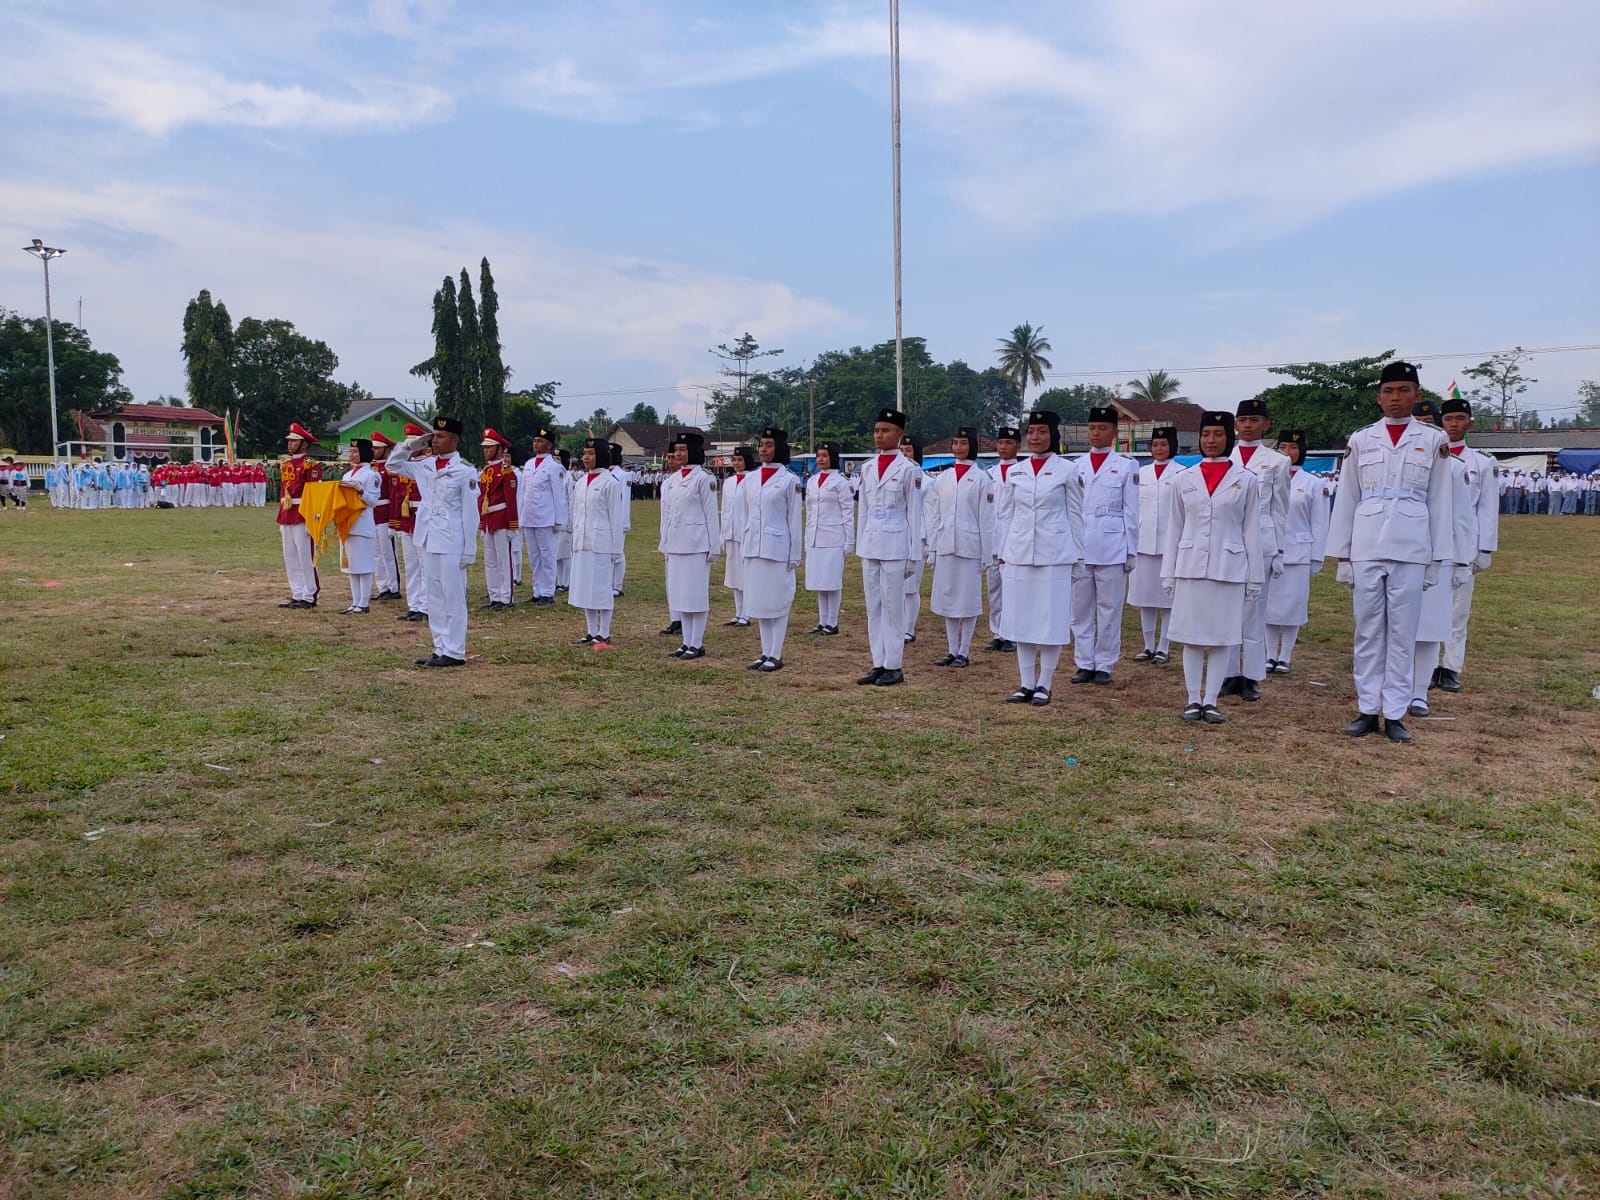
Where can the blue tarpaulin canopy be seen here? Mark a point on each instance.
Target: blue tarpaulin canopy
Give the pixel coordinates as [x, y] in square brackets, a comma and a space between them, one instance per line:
[1580, 461]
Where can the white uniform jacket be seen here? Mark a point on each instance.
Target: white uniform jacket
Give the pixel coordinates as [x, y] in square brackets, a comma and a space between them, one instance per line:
[369, 485]
[733, 507]
[1485, 498]
[889, 510]
[447, 518]
[830, 511]
[1002, 503]
[599, 513]
[1044, 519]
[1155, 506]
[1305, 531]
[1271, 470]
[772, 516]
[1463, 516]
[1394, 500]
[1216, 536]
[963, 520]
[689, 514]
[542, 493]
[621, 476]
[1110, 509]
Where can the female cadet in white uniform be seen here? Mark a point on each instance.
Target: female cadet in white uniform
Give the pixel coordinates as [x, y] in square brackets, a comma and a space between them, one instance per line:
[912, 448]
[691, 540]
[358, 553]
[959, 532]
[599, 515]
[830, 535]
[1157, 485]
[1042, 550]
[1303, 539]
[772, 545]
[733, 531]
[1438, 603]
[1212, 563]
[564, 534]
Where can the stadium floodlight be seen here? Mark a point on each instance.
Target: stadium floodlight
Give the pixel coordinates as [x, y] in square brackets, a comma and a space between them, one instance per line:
[44, 254]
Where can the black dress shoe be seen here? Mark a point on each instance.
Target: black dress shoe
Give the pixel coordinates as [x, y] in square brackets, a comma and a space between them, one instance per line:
[694, 652]
[772, 664]
[738, 623]
[1362, 726]
[1418, 708]
[889, 679]
[587, 639]
[1212, 715]
[961, 660]
[910, 637]
[1449, 681]
[757, 665]
[997, 644]
[1103, 678]
[290, 604]
[679, 652]
[673, 630]
[1397, 731]
[413, 615]
[947, 660]
[489, 607]
[1040, 697]
[1433, 680]
[1083, 676]
[1008, 646]
[1160, 658]
[426, 662]
[1192, 712]
[871, 676]
[1144, 656]
[830, 630]
[817, 630]
[1272, 665]
[1021, 696]
[1249, 690]
[1230, 686]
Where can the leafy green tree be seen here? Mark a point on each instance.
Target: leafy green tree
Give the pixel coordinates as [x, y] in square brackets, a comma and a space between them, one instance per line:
[86, 379]
[284, 376]
[1022, 358]
[1328, 400]
[526, 412]
[643, 413]
[1501, 381]
[444, 365]
[492, 370]
[469, 406]
[1073, 403]
[1156, 387]
[208, 353]
[738, 364]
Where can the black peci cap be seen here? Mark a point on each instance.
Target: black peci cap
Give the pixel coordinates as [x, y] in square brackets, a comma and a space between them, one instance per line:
[1107, 414]
[1399, 372]
[447, 425]
[1256, 407]
[893, 416]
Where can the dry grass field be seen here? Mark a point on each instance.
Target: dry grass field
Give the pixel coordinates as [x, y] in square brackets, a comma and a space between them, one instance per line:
[286, 916]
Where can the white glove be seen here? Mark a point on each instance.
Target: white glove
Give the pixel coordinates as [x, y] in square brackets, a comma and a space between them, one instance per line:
[1345, 574]
[911, 567]
[1169, 586]
[793, 566]
[1481, 563]
[466, 561]
[1079, 571]
[1252, 591]
[418, 440]
[1316, 567]
[1460, 576]
[1277, 565]
[711, 557]
[1127, 567]
[1430, 575]
[929, 560]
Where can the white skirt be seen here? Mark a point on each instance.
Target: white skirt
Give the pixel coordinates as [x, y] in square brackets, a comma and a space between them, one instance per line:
[1038, 605]
[1144, 588]
[1206, 613]
[768, 588]
[1433, 624]
[358, 555]
[957, 586]
[590, 586]
[1289, 595]
[733, 565]
[824, 568]
[914, 583]
[688, 583]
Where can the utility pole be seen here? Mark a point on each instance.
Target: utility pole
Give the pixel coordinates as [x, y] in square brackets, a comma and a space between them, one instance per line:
[44, 254]
[894, 121]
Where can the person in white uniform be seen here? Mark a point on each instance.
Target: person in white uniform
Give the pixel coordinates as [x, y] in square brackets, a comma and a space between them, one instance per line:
[1433, 625]
[1041, 553]
[830, 535]
[599, 515]
[1212, 563]
[619, 565]
[358, 550]
[744, 458]
[569, 480]
[1157, 479]
[1455, 414]
[771, 544]
[542, 513]
[1007, 443]
[960, 526]
[690, 541]
[446, 533]
[1305, 543]
[889, 543]
[1110, 549]
[1251, 423]
[1390, 532]
[912, 448]
[386, 573]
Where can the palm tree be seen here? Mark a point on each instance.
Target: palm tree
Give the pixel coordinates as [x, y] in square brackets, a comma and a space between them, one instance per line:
[1158, 387]
[1022, 358]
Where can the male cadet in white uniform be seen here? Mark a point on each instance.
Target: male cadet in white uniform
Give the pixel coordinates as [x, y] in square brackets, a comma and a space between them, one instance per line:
[889, 544]
[1390, 531]
[542, 499]
[1007, 444]
[619, 562]
[1272, 471]
[1455, 415]
[446, 534]
[1110, 549]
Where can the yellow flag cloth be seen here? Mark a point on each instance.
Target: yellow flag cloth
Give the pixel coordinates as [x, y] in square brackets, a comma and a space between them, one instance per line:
[329, 508]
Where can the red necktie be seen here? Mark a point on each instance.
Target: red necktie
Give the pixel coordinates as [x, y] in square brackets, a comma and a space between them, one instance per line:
[884, 462]
[822, 478]
[961, 471]
[1004, 467]
[685, 474]
[767, 473]
[1160, 467]
[1036, 463]
[1096, 460]
[1213, 470]
[590, 480]
[1245, 453]
[440, 464]
[1394, 433]
[1457, 449]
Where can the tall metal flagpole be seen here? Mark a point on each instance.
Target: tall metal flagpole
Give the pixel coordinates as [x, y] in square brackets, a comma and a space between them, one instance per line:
[894, 117]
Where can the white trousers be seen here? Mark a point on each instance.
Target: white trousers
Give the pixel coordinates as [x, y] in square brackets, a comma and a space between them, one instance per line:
[1251, 657]
[447, 604]
[884, 581]
[497, 563]
[1097, 601]
[991, 577]
[619, 570]
[1388, 607]
[386, 563]
[1455, 650]
[416, 578]
[541, 545]
[297, 564]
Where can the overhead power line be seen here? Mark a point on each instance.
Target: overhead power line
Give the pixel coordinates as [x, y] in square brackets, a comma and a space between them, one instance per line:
[1479, 354]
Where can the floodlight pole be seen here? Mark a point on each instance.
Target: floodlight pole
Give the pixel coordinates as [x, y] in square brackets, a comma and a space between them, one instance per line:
[894, 119]
[44, 254]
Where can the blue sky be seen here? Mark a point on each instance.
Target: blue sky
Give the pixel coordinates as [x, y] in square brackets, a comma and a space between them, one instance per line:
[1158, 183]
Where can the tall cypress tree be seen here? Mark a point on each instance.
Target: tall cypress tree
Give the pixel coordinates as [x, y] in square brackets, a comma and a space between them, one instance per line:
[492, 373]
[208, 353]
[444, 367]
[470, 405]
